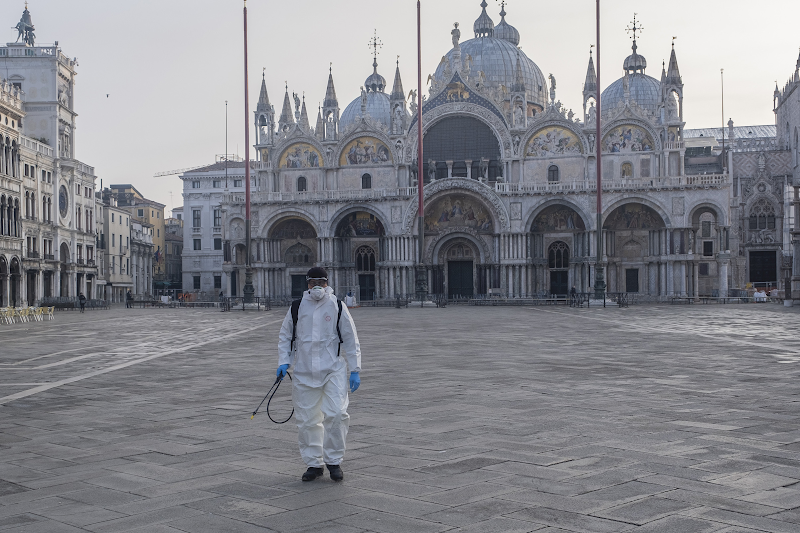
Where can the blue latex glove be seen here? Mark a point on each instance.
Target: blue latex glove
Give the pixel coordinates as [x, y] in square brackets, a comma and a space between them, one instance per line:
[355, 381]
[281, 373]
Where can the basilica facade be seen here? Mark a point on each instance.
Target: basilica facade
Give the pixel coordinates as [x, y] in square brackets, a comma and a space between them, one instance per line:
[509, 185]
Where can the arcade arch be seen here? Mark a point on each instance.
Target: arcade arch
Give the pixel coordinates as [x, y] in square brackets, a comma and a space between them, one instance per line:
[292, 243]
[462, 146]
[560, 246]
[633, 235]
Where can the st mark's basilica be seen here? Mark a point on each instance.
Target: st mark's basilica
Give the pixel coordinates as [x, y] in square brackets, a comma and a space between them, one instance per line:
[509, 186]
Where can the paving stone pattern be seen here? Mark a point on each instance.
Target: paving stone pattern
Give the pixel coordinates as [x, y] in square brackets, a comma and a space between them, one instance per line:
[648, 419]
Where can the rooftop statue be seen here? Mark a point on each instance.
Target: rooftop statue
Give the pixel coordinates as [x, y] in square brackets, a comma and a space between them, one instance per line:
[25, 28]
[456, 33]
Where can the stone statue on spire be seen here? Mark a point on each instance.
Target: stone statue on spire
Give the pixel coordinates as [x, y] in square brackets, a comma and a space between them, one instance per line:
[456, 33]
[552, 88]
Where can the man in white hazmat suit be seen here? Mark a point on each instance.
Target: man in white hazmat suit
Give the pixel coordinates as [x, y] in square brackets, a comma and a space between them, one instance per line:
[320, 382]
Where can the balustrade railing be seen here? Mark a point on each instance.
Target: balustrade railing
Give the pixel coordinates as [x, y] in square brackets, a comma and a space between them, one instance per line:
[310, 196]
[679, 182]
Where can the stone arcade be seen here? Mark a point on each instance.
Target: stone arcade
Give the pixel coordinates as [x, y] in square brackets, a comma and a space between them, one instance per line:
[509, 186]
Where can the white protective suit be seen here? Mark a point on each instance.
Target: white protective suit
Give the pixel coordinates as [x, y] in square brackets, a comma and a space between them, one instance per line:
[320, 378]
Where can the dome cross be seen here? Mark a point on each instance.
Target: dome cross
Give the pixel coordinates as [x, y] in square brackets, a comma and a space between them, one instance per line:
[633, 28]
[375, 43]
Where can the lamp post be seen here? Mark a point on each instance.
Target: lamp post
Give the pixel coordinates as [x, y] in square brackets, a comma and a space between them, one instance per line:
[248, 289]
[599, 270]
[421, 272]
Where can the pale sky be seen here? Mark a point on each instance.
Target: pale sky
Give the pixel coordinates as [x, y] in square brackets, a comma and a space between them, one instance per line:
[168, 66]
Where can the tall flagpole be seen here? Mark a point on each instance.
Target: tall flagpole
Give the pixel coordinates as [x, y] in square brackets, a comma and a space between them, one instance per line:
[599, 274]
[248, 289]
[421, 274]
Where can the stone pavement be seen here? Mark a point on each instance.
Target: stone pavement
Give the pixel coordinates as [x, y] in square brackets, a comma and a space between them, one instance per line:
[649, 419]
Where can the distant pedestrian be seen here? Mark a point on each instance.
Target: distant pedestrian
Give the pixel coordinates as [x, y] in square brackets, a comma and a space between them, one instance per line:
[82, 300]
[129, 299]
[350, 300]
[573, 297]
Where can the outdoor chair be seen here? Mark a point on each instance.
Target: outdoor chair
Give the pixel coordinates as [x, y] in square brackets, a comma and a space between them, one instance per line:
[50, 311]
[37, 313]
[6, 315]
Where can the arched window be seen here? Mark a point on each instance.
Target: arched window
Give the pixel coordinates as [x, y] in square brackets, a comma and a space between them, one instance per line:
[365, 259]
[299, 255]
[626, 170]
[302, 184]
[366, 181]
[558, 255]
[552, 173]
[762, 215]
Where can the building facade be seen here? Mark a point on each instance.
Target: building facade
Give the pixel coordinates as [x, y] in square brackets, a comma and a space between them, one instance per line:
[203, 251]
[115, 245]
[173, 250]
[142, 256]
[51, 194]
[787, 118]
[509, 184]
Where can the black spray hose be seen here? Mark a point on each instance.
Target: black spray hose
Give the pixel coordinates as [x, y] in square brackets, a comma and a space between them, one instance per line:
[270, 395]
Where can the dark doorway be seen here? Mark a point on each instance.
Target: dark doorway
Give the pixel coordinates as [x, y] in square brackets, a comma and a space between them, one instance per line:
[48, 284]
[559, 282]
[299, 285]
[763, 267]
[366, 284]
[31, 288]
[233, 283]
[631, 280]
[459, 279]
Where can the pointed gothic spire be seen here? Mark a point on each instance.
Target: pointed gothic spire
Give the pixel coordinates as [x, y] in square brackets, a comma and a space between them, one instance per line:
[590, 85]
[320, 129]
[673, 72]
[304, 123]
[263, 98]
[286, 113]
[519, 81]
[663, 73]
[330, 93]
[397, 90]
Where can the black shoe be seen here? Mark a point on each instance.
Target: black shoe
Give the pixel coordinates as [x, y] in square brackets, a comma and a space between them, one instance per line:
[336, 472]
[313, 473]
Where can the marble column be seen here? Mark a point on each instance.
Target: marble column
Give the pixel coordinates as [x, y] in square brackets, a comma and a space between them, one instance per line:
[682, 270]
[670, 278]
[723, 260]
[696, 280]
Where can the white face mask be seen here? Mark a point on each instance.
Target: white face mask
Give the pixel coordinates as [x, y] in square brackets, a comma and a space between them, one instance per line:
[317, 293]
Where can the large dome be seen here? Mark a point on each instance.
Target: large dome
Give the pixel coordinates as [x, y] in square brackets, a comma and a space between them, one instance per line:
[378, 107]
[497, 58]
[645, 91]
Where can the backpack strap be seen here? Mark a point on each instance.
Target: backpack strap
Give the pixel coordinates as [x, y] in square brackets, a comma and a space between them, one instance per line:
[295, 314]
[339, 331]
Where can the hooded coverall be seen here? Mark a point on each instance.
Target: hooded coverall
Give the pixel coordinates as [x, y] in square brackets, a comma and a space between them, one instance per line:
[320, 381]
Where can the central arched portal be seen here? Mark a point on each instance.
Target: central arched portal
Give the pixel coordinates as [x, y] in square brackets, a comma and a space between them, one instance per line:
[462, 147]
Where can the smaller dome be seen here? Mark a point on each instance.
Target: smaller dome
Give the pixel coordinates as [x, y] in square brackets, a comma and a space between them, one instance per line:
[378, 107]
[484, 26]
[644, 90]
[634, 62]
[375, 83]
[506, 31]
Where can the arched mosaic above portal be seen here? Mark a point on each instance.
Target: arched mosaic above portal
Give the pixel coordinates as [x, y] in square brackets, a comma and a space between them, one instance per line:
[553, 141]
[300, 155]
[293, 228]
[365, 151]
[558, 218]
[360, 224]
[457, 210]
[628, 138]
[633, 216]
